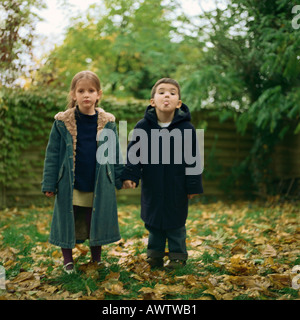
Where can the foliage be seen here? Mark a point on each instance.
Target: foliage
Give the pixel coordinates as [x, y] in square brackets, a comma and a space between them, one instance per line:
[128, 43]
[236, 252]
[251, 56]
[251, 64]
[16, 33]
[20, 113]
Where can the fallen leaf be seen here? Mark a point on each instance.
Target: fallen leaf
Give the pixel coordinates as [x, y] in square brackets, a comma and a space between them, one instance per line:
[56, 254]
[239, 246]
[238, 266]
[82, 249]
[113, 275]
[190, 280]
[249, 282]
[269, 262]
[48, 289]
[269, 251]
[90, 269]
[28, 285]
[114, 287]
[22, 277]
[7, 255]
[280, 280]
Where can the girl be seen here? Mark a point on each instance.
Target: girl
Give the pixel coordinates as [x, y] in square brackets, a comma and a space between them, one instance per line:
[85, 203]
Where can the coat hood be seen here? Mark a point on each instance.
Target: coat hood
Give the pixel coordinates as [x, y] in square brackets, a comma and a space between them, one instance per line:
[181, 114]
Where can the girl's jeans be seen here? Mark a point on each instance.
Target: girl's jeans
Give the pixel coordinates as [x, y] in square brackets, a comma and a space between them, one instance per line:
[176, 243]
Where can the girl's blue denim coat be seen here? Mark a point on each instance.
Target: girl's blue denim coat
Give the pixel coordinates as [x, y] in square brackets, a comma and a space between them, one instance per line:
[58, 177]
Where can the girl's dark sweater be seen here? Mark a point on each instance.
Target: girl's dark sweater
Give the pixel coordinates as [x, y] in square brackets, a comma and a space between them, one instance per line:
[86, 148]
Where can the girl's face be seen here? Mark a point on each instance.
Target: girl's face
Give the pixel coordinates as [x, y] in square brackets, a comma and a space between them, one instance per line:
[86, 95]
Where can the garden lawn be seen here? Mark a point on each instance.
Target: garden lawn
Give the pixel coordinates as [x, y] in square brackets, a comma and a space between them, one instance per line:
[237, 251]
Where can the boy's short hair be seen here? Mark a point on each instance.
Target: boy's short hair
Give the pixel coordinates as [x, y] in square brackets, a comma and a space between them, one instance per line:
[165, 80]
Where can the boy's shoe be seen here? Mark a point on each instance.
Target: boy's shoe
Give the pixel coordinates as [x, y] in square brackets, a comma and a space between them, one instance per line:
[69, 268]
[155, 262]
[175, 264]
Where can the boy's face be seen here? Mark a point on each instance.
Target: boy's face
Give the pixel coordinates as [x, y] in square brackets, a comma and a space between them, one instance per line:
[166, 100]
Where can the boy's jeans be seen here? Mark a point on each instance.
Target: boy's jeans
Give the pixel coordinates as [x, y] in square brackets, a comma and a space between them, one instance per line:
[176, 243]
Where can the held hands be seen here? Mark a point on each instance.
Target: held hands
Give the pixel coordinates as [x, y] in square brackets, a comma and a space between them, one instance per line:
[128, 184]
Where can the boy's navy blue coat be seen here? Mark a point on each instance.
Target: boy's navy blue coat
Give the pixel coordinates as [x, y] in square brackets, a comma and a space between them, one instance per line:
[164, 202]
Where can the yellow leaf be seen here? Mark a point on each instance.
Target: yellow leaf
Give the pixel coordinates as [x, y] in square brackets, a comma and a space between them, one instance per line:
[269, 261]
[56, 254]
[82, 249]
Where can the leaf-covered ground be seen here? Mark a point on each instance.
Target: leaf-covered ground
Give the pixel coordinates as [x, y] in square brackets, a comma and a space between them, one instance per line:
[236, 251]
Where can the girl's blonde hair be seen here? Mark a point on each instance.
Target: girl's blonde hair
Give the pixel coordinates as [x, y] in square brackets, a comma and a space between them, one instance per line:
[83, 75]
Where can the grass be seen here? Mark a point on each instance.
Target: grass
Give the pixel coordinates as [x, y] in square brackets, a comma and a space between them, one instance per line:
[237, 251]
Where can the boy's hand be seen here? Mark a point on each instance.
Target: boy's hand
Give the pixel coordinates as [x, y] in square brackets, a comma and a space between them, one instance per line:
[191, 196]
[128, 184]
[49, 194]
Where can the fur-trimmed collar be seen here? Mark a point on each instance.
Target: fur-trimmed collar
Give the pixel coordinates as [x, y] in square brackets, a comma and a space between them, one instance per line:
[68, 117]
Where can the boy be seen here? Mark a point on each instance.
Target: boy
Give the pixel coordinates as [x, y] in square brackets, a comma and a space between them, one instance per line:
[165, 186]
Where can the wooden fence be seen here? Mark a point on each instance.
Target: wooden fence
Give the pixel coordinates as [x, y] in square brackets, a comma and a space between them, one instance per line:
[224, 151]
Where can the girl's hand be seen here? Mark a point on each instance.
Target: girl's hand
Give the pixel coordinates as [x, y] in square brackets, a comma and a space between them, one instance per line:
[191, 196]
[49, 194]
[128, 184]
